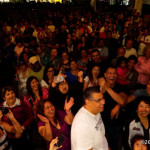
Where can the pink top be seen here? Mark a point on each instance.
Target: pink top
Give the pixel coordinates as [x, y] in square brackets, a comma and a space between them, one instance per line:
[27, 97]
[143, 65]
[122, 72]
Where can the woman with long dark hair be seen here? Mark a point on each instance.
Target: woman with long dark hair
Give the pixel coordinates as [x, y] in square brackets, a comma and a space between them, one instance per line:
[91, 79]
[55, 122]
[34, 93]
[48, 76]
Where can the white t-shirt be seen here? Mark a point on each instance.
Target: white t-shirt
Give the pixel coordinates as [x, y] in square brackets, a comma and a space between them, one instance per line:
[142, 45]
[130, 52]
[88, 132]
[44, 84]
[86, 79]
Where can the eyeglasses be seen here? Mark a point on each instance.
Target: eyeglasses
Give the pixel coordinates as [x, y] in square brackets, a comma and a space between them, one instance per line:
[97, 100]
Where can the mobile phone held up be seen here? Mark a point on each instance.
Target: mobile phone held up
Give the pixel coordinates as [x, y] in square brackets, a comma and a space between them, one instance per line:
[61, 140]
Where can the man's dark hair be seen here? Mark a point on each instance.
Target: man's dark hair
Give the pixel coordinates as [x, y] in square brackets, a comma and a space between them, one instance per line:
[132, 57]
[111, 66]
[95, 50]
[88, 93]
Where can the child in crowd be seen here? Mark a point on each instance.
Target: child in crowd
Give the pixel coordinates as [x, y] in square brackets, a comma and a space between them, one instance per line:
[122, 71]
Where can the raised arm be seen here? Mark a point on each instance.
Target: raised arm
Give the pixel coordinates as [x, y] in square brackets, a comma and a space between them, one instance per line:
[45, 131]
[15, 128]
[69, 117]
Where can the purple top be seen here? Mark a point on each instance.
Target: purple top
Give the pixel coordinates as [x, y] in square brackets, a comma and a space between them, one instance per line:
[64, 129]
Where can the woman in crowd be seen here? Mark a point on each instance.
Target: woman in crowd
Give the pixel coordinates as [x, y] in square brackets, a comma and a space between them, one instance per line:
[62, 89]
[22, 114]
[22, 74]
[25, 58]
[140, 123]
[34, 93]
[64, 61]
[143, 68]
[83, 61]
[72, 74]
[55, 122]
[82, 43]
[132, 74]
[48, 77]
[91, 79]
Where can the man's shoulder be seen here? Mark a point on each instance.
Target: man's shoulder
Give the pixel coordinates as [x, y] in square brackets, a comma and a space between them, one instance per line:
[140, 92]
[81, 118]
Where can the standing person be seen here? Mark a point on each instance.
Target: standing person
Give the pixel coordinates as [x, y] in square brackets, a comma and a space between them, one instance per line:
[115, 97]
[143, 68]
[88, 130]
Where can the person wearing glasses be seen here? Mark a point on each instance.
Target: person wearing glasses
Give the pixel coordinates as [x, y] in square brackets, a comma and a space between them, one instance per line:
[87, 131]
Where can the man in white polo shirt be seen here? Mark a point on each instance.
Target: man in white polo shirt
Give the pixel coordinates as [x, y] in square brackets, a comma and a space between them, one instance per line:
[87, 131]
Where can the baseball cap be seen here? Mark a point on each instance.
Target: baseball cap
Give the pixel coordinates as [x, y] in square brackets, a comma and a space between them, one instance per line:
[34, 59]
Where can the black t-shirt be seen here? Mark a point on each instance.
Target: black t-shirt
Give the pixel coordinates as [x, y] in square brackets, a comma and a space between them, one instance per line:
[109, 105]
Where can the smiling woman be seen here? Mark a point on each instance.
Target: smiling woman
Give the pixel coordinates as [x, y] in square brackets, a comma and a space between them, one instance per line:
[54, 122]
[19, 111]
[141, 122]
[34, 93]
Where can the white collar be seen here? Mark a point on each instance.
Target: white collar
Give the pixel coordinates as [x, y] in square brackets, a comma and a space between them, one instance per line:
[17, 103]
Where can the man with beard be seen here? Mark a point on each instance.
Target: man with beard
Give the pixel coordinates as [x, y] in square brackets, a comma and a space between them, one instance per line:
[37, 68]
[115, 98]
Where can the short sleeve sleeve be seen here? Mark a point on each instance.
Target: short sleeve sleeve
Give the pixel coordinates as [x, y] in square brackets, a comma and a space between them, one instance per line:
[86, 79]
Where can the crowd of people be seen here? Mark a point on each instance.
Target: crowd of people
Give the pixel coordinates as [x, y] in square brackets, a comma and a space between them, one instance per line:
[74, 73]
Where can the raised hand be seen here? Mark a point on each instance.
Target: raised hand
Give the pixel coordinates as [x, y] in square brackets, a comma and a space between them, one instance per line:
[43, 119]
[102, 84]
[69, 104]
[10, 115]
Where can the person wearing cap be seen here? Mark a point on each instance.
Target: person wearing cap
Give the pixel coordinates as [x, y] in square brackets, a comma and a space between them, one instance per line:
[37, 68]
